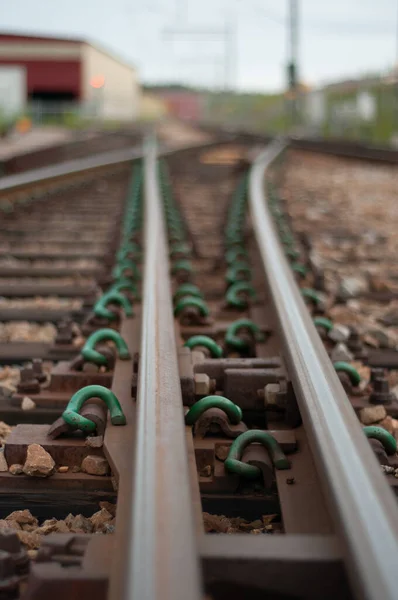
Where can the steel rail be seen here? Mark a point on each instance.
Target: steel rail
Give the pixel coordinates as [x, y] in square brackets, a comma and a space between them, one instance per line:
[11, 183]
[334, 146]
[14, 183]
[345, 149]
[161, 561]
[361, 503]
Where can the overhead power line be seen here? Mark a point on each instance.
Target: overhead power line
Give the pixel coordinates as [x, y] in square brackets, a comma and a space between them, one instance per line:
[325, 26]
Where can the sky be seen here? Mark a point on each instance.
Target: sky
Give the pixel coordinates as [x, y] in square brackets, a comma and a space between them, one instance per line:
[337, 40]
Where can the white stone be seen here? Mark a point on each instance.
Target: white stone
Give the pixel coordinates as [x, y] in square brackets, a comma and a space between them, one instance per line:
[350, 287]
[372, 414]
[27, 403]
[39, 463]
[95, 465]
[341, 353]
[339, 333]
[3, 462]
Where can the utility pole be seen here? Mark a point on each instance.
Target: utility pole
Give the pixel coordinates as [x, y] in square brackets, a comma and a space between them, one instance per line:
[292, 68]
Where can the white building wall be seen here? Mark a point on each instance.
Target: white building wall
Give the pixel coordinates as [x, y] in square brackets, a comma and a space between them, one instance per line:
[315, 107]
[12, 90]
[119, 96]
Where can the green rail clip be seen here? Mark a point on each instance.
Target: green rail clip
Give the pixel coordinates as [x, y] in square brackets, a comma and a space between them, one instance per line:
[191, 302]
[181, 265]
[100, 308]
[233, 463]
[236, 270]
[324, 323]
[126, 265]
[232, 295]
[187, 289]
[91, 355]
[233, 411]
[344, 367]
[206, 342]
[309, 294]
[71, 414]
[379, 433]
[232, 338]
[237, 253]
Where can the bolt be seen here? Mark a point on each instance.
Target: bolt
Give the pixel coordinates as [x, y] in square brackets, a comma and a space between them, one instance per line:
[271, 392]
[204, 385]
[37, 365]
[290, 481]
[319, 280]
[7, 568]
[28, 381]
[10, 543]
[376, 373]
[205, 351]
[354, 341]
[381, 392]
[190, 315]
[65, 333]
[355, 344]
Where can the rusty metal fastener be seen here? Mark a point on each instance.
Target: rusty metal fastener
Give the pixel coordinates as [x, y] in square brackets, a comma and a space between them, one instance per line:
[28, 381]
[37, 366]
[381, 391]
[271, 391]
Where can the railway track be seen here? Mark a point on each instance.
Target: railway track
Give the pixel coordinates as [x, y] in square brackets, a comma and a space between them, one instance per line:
[231, 462]
[83, 146]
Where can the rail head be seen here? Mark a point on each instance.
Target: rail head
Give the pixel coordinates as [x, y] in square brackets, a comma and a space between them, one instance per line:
[162, 558]
[361, 503]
